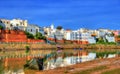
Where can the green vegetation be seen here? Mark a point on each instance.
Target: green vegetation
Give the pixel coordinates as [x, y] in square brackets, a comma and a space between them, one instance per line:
[27, 49]
[105, 53]
[39, 36]
[36, 36]
[112, 34]
[115, 71]
[89, 71]
[111, 43]
[118, 36]
[1, 27]
[29, 35]
[101, 41]
[59, 27]
[1, 67]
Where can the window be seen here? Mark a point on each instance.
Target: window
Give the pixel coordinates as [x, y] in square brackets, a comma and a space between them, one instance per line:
[36, 30]
[0, 21]
[11, 25]
[31, 30]
[20, 23]
[7, 22]
[16, 24]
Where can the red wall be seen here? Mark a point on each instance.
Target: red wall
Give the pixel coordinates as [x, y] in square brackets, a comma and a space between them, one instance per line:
[68, 41]
[15, 36]
[35, 41]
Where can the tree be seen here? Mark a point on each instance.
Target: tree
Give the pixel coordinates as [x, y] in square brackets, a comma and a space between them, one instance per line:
[59, 27]
[27, 49]
[112, 34]
[1, 27]
[39, 36]
[100, 40]
[118, 36]
[29, 35]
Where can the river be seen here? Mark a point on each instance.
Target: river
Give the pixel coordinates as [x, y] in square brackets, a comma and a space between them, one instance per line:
[52, 60]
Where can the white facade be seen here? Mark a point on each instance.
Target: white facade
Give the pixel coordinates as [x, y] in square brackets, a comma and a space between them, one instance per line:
[33, 29]
[5, 22]
[2, 24]
[67, 35]
[59, 35]
[20, 24]
[54, 33]
[109, 37]
[52, 27]
[50, 31]
[14, 24]
[74, 35]
[80, 35]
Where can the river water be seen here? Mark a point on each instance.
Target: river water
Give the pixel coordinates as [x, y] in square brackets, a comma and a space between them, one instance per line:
[9, 65]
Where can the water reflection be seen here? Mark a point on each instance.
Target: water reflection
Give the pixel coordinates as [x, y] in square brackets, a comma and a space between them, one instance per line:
[50, 61]
[12, 66]
[69, 60]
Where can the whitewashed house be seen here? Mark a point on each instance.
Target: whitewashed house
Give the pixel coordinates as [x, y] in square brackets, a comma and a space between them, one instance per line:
[33, 29]
[18, 23]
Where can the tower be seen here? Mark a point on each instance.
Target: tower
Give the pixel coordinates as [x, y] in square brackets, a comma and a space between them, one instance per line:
[52, 26]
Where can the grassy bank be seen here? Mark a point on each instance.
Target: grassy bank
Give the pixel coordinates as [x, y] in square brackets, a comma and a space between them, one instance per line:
[21, 46]
[114, 71]
[89, 71]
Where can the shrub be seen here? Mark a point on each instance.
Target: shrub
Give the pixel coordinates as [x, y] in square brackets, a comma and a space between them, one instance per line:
[27, 49]
[1, 27]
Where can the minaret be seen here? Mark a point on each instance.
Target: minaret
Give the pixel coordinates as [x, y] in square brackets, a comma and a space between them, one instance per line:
[52, 26]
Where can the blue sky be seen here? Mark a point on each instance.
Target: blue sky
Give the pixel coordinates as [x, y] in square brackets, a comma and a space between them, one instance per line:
[71, 14]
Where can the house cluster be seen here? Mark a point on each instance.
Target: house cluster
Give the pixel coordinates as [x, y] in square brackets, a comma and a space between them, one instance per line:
[81, 36]
[18, 24]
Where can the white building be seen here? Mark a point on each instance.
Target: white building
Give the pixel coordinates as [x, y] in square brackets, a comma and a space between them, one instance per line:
[67, 34]
[5, 23]
[2, 24]
[15, 24]
[20, 24]
[80, 35]
[33, 29]
[110, 37]
[59, 34]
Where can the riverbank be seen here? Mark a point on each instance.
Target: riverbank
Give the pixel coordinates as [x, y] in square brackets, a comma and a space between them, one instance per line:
[99, 66]
[22, 46]
[17, 55]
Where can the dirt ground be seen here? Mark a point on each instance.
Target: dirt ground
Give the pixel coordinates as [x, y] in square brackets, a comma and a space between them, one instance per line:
[110, 63]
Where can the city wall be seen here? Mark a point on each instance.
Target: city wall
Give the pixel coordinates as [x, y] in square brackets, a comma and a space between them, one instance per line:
[16, 36]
